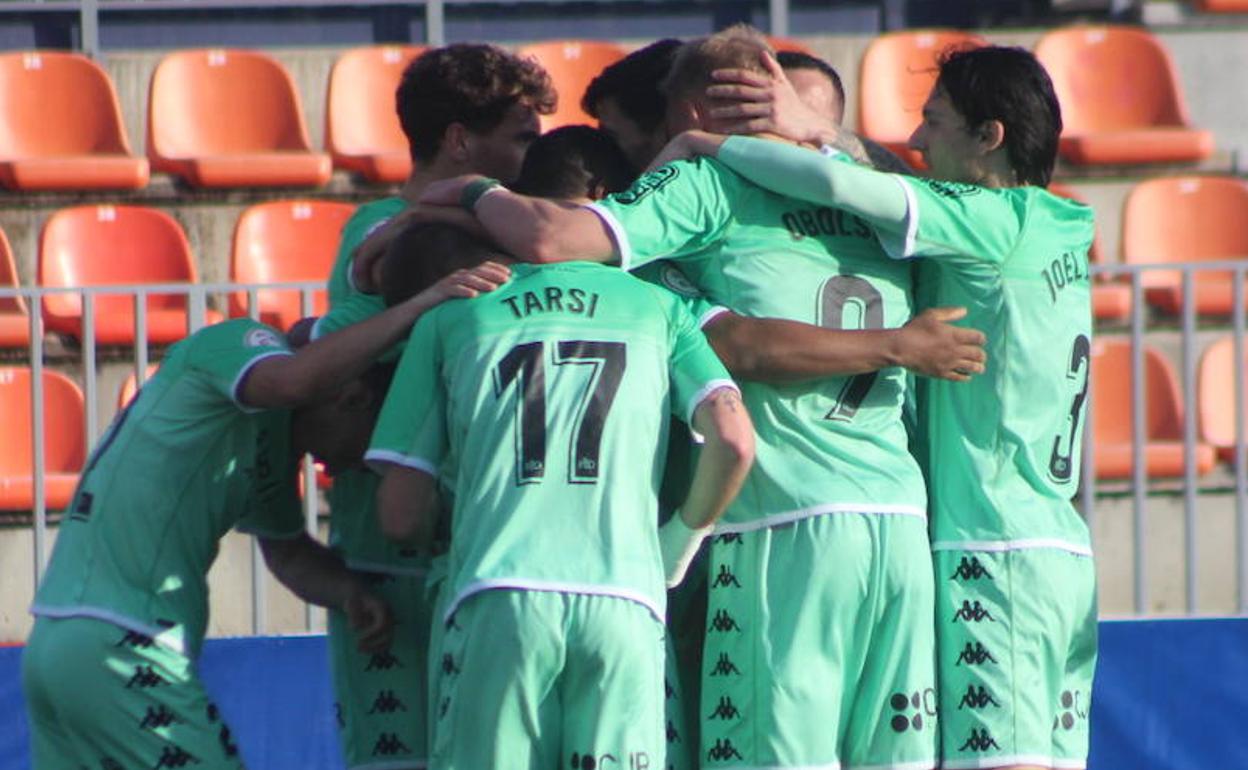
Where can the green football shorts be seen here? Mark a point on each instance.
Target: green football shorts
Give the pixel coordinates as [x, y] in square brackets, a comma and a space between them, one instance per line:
[100, 696]
[820, 651]
[539, 679]
[1016, 634]
[383, 698]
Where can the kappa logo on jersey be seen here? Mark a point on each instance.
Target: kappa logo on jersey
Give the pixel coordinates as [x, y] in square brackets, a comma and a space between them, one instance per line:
[669, 692]
[262, 338]
[725, 578]
[970, 569]
[443, 707]
[676, 281]
[972, 612]
[724, 666]
[144, 677]
[725, 709]
[388, 745]
[175, 756]
[974, 655]
[448, 665]
[729, 538]
[723, 622]
[646, 184]
[922, 703]
[387, 703]
[136, 640]
[980, 740]
[723, 750]
[672, 735]
[951, 189]
[977, 698]
[158, 717]
[383, 661]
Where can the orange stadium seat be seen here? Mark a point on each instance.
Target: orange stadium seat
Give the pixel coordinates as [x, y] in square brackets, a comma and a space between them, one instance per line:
[362, 131]
[1222, 6]
[572, 64]
[230, 118]
[1186, 219]
[130, 386]
[788, 44]
[63, 440]
[285, 241]
[1163, 419]
[897, 74]
[1111, 299]
[62, 127]
[14, 318]
[1216, 397]
[1121, 97]
[101, 245]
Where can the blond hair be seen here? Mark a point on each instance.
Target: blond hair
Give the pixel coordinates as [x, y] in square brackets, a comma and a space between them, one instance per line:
[737, 47]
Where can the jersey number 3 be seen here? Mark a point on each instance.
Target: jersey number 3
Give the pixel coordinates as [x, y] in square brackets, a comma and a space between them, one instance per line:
[525, 366]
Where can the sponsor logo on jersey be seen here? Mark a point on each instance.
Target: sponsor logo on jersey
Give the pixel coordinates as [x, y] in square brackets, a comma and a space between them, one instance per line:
[646, 184]
[1075, 711]
[262, 338]
[947, 189]
[675, 280]
[913, 711]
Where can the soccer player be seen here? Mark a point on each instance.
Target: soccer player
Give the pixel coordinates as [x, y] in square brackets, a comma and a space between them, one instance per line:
[463, 108]
[544, 410]
[816, 82]
[1016, 590]
[626, 100]
[574, 163]
[213, 441]
[820, 637]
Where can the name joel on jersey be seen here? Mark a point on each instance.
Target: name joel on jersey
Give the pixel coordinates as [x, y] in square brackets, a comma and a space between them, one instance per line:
[1064, 271]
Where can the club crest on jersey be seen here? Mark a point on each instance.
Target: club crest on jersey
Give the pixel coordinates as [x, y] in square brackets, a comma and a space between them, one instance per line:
[951, 189]
[262, 338]
[676, 281]
[646, 184]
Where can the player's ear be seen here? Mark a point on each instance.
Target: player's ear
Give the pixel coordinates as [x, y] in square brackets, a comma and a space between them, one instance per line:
[991, 135]
[455, 142]
[596, 190]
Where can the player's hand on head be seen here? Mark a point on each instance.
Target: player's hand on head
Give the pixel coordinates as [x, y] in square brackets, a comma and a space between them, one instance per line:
[371, 619]
[470, 282]
[759, 103]
[933, 347]
[368, 254]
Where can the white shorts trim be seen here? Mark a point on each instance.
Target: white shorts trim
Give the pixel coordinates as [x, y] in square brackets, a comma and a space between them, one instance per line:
[922, 764]
[522, 584]
[1001, 546]
[388, 456]
[1023, 759]
[788, 517]
[158, 634]
[394, 764]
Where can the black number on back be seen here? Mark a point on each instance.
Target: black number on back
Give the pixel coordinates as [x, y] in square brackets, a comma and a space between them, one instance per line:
[1061, 460]
[525, 362]
[836, 292]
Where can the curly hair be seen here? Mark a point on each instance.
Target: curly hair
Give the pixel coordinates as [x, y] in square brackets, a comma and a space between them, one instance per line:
[470, 83]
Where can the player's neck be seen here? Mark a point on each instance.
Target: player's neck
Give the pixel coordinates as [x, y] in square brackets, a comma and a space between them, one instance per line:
[420, 178]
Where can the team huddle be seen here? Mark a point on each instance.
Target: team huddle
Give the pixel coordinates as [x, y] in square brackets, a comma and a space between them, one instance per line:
[654, 445]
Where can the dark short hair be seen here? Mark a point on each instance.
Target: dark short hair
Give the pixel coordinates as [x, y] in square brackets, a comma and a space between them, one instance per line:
[634, 84]
[469, 83]
[800, 60]
[569, 161]
[1010, 85]
[424, 253]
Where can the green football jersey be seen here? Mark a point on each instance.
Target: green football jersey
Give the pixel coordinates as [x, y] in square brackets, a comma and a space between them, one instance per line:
[353, 528]
[180, 466]
[544, 405]
[1005, 448]
[829, 446]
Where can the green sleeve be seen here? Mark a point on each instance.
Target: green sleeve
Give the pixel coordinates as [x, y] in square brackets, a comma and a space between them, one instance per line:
[672, 212]
[274, 510]
[411, 430]
[363, 223]
[959, 222]
[693, 368]
[224, 353]
[351, 309]
[670, 277]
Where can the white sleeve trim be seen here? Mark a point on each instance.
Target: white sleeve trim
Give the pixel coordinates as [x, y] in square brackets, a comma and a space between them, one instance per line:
[317, 332]
[711, 315]
[235, 396]
[620, 237]
[702, 394]
[912, 224]
[383, 457]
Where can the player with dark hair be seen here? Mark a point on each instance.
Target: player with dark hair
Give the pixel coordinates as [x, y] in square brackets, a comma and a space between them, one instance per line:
[544, 411]
[817, 81]
[212, 442]
[628, 104]
[464, 108]
[574, 162]
[1016, 586]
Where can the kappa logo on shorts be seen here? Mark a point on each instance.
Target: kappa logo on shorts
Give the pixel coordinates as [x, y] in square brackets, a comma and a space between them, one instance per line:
[646, 184]
[977, 698]
[144, 677]
[724, 666]
[923, 703]
[387, 702]
[730, 538]
[136, 640]
[669, 692]
[338, 716]
[722, 622]
[383, 661]
[158, 717]
[726, 709]
[974, 655]
[448, 665]
[725, 578]
[262, 338]
[175, 756]
[444, 706]
[722, 751]
[972, 612]
[1075, 711]
[951, 189]
[980, 740]
[672, 735]
[970, 569]
[388, 745]
[108, 763]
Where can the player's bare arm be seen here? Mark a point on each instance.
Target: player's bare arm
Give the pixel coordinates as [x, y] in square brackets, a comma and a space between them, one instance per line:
[780, 351]
[725, 460]
[530, 229]
[322, 366]
[407, 505]
[318, 576]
